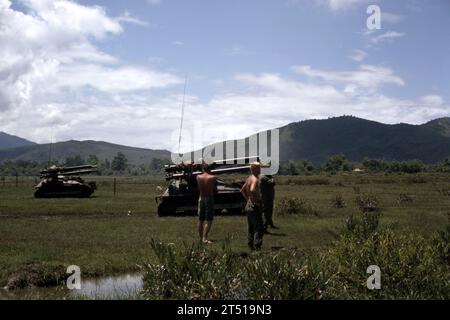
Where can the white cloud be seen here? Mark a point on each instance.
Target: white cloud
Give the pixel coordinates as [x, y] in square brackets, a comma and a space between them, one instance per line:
[432, 100]
[178, 43]
[48, 56]
[53, 77]
[59, 18]
[128, 18]
[358, 55]
[117, 79]
[387, 37]
[368, 77]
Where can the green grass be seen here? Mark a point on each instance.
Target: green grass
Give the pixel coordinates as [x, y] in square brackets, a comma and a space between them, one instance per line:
[98, 234]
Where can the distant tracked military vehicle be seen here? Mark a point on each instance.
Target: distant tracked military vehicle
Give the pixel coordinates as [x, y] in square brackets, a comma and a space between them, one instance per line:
[65, 182]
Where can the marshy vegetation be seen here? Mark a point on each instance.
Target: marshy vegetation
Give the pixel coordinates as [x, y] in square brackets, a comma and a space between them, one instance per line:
[332, 227]
[412, 267]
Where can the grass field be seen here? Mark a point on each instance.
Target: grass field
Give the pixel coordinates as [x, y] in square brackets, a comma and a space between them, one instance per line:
[111, 234]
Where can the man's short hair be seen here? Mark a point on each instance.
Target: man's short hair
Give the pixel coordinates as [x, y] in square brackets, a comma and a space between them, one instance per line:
[255, 165]
[206, 167]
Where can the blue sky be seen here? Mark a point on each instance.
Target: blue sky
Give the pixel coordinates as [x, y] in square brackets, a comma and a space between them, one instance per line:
[114, 70]
[221, 38]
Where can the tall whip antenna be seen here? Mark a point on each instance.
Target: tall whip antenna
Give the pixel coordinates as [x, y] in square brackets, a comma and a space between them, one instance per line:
[50, 150]
[182, 114]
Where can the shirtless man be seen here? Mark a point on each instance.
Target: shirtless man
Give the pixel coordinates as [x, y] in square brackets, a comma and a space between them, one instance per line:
[251, 192]
[207, 186]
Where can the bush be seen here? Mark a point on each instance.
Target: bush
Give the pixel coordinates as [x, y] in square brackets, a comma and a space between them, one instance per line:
[367, 202]
[363, 225]
[294, 206]
[338, 201]
[280, 276]
[411, 267]
[194, 272]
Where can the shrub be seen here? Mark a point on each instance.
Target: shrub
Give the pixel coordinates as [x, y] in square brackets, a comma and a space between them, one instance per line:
[362, 225]
[367, 202]
[190, 273]
[295, 205]
[411, 267]
[338, 201]
[194, 272]
[280, 276]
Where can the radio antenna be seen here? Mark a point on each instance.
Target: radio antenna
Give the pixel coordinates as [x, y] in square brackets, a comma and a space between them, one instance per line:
[182, 114]
[50, 150]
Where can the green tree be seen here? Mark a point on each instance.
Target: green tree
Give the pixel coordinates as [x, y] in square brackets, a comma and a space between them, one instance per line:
[119, 162]
[335, 163]
[74, 161]
[92, 159]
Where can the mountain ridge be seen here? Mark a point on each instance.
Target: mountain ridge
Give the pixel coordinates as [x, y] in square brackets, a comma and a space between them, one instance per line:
[314, 140]
[71, 148]
[8, 141]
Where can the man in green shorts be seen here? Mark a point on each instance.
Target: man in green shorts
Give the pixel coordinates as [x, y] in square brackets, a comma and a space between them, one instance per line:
[207, 187]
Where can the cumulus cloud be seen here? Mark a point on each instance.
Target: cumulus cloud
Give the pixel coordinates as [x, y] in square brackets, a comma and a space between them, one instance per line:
[50, 63]
[432, 100]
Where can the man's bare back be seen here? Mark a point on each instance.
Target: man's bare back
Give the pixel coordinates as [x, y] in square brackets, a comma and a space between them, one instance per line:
[250, 190]
[206, 184]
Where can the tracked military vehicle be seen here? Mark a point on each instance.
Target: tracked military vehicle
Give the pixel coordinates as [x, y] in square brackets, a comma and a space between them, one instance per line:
[65, 182]
[181, 196]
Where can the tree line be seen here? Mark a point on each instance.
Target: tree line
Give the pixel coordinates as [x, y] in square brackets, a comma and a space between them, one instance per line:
[120, 165]
[338, 163]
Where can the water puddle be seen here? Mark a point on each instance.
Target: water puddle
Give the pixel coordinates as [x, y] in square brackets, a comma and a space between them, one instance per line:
[115, 287]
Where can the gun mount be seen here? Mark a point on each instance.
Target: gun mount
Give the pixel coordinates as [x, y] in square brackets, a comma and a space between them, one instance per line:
[64, 182]
[181, 196]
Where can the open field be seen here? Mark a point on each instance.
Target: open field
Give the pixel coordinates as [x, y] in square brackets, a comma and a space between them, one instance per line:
[109, 234]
